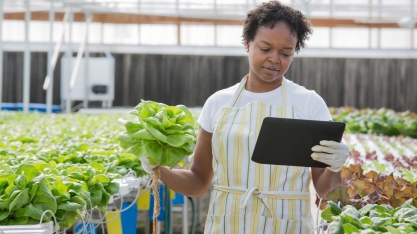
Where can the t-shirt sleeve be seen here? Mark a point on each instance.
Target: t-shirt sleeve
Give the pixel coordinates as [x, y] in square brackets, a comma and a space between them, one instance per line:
[317, 108]
[207, 113]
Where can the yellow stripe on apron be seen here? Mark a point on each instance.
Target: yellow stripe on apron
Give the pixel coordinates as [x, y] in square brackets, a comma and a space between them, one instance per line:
[249, 197]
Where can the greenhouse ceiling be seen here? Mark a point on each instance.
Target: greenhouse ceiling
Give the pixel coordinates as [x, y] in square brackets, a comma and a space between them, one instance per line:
[322, 13]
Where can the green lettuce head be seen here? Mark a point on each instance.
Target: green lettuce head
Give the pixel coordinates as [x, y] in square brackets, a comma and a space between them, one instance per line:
[163, 133]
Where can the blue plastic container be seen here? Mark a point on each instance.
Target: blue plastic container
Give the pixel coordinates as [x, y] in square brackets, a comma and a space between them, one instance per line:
[129, 217]
[161, 217]
[38, 107]
[89, 228]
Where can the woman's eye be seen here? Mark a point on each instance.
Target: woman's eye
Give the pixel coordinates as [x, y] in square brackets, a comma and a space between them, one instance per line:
[264, 49]
[286, 55]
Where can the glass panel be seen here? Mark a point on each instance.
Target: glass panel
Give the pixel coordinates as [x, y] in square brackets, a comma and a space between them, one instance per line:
[350, 37]
[38, 26]
[197, 34]
[158, 34]
[232, 2]
[95, 34]
[319, 39]
[13, 30]
[374, 38]
[77, 32]
[229, 35]
[120, 34]
[395, 38]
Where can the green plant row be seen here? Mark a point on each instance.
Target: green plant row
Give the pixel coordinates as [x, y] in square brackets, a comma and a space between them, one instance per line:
[62, 163]
[377, 121]
[371, 219]
[68, 191]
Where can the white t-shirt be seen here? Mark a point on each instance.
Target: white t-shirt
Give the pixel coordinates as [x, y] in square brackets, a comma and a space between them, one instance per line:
[307, 103]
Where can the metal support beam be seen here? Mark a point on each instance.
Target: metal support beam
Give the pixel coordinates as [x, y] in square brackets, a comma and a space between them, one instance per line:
[88, 18]
[369, 29]
[215, 35]
[128, 18]
[69, 52]
[379, 29]
[1, 54]
[412, 15]
[26, 61]
[185, 216]
[330, 37]
[102, 34]
[178, 33]
[139, 33]
[52, 59]
[49, 91]
[78, 60]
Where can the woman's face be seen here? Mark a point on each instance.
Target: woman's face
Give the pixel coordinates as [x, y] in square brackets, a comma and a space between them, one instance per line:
[270, 55]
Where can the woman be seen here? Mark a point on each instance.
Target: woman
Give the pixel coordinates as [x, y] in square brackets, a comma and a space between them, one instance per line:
[250, 197]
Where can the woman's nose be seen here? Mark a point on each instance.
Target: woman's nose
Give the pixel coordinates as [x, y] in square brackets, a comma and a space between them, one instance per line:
[274, 58]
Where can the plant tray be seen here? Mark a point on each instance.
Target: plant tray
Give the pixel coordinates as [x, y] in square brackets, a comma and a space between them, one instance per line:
[45, 228]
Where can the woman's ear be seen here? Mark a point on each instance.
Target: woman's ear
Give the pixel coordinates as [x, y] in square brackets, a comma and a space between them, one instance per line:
[246, 46]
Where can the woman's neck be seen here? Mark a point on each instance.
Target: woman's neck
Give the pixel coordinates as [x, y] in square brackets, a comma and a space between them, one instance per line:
[256, 85]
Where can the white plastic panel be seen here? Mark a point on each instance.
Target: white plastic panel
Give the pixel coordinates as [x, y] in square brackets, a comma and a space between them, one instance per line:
[45, 228]
[101, 72]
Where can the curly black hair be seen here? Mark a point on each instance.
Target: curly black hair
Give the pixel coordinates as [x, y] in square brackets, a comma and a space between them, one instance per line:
[269, 13]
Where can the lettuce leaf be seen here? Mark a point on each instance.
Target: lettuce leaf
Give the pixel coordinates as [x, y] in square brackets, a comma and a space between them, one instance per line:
[163, 133]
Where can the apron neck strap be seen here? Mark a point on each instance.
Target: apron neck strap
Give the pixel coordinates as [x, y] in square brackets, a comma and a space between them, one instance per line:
[241, 87]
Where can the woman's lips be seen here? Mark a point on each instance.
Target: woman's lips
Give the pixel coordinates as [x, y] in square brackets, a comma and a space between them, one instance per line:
[271, 69]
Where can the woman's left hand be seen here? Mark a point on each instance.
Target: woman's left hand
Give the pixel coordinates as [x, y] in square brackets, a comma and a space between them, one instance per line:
[331, 153]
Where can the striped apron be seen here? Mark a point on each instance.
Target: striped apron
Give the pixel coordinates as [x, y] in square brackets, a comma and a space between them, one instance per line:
[249, 197]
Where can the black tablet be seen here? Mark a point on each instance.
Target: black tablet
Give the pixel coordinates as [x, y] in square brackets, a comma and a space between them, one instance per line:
[284, 141]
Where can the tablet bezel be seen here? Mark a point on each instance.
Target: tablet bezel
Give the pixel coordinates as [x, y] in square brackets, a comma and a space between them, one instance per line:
[293, 139]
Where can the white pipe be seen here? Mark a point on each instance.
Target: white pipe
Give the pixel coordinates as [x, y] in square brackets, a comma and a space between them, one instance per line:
[87, 61]
[68, 100]
[78, 59]
[55, 54]
[184, 215]
[379, 29]
[50, 69]
[76, 65]
[414, 25]
[1, 54]
[26, 61]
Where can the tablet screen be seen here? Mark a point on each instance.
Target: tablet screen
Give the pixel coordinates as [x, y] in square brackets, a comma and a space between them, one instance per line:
[283, 141]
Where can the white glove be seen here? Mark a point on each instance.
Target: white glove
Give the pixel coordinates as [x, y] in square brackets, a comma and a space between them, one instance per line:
[146, 165]
[331, 153]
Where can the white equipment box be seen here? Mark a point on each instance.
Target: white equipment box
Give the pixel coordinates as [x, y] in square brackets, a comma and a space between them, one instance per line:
[99, 84]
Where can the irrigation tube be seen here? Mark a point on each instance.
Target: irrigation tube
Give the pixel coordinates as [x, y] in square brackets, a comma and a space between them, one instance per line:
[56, 226]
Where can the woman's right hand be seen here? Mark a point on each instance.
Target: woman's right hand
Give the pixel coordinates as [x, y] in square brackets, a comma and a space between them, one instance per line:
[146, 165]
